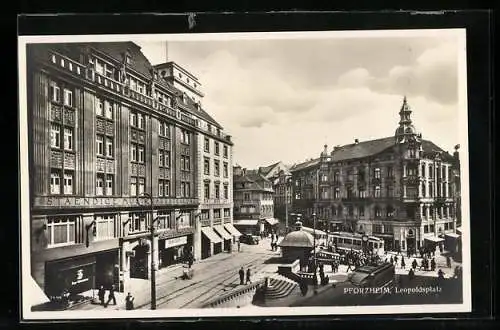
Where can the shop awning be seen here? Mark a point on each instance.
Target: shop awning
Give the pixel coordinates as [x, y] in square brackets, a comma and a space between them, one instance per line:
[272, 221]
[452, 235]
[246, 222]
[459, 230]
[229, 227]
[211, 235]
[36, 294]
[434, 239]
[221, 231]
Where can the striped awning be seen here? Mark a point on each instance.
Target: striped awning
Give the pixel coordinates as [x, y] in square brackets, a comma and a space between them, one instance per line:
[222, 232]
[230, 228]
[211, 235]
[453, 235]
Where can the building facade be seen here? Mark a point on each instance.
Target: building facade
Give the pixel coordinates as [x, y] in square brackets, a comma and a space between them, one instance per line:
[280, 177]
[400, 188]
[253, 202]
[215, 163]
[113, 149]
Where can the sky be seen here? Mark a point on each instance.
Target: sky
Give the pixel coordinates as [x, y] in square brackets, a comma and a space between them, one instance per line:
[284, 99]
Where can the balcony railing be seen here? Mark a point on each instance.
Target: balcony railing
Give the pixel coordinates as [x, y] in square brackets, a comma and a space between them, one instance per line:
[227, 220]
[205, 222]
[356, 199]
[74, 67]
[218, 222]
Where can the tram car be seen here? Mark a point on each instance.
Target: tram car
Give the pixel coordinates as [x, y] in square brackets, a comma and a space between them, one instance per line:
[344, 242]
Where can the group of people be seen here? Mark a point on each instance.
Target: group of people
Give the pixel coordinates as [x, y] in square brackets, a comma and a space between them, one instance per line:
[242, 274]
[129, 299]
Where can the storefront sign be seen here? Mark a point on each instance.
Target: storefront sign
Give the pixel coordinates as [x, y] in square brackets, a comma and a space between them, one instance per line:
[88, 202]
[74, 280]
[175, 241]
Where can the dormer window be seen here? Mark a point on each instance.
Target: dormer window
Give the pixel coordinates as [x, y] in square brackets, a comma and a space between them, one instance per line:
[128, 59]
[184, 98]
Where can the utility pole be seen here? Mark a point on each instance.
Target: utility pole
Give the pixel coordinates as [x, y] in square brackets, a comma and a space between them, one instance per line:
[286, 205]
[153, 264]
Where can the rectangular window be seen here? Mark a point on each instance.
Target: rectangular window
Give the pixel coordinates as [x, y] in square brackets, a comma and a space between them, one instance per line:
[217, 151]
[109, 147]
[423, 170]
[140, 152]
[246, 196]
[133, 186]
[390, 172]
[141, 186]
[216, 213]
[390, 191]
[55, 135]
[185, 138]
[68, 138]
[55, 92]
[216, 168]
[226, 170]
[227, 213]
[161, 158]
[377, 191]
[206, 190]
[99, 67]
[185, 163]
[99, 185]
[137, 222]
[100, 108]
[55, 182]
[217, 191]
[140, 121]
[431, 171]
[68, 183]
[167, 158]
[167, 188]
[109, 110]
[185, 189]
[100, 145]
[206, 166]
[160, 188]
[133, 119]
[68, 98]
[104, 227]
[133, 152]
[109, 184]
[207, 145]
[361, 211]
[164, 129]
[226, 192]
[61, 231]
[337, 193]
[376, 173]
[226, 152]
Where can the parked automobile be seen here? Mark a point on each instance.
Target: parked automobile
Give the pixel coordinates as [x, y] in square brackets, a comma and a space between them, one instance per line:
[249, 239]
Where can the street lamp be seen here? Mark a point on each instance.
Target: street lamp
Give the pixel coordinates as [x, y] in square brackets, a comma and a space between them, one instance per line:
[153, 265]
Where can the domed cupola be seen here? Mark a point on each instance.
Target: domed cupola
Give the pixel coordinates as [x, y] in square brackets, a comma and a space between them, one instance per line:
[406, 131]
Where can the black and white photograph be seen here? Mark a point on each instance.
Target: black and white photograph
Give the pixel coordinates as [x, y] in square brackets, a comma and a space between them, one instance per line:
[244, 174]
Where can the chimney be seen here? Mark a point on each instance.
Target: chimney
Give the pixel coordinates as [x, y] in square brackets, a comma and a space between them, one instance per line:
[356, 141]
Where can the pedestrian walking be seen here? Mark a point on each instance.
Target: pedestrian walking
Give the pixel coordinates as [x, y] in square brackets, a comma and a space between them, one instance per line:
[101, 294]
[433, 264]
[111, 296]
[129, 302]
[242, 276]
[249, 280]
[414, 264]
[411, 274]
[440, 274]
[392, 260]
[448, 261]
[403, 265]
[239, 246]
[395, 260]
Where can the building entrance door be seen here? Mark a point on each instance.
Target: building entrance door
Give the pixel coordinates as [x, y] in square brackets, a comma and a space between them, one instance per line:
[139, 262]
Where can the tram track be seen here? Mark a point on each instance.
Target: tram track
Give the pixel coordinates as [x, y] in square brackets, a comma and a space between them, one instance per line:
[220, 278]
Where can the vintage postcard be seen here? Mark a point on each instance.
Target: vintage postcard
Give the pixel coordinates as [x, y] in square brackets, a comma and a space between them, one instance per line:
[255, 174]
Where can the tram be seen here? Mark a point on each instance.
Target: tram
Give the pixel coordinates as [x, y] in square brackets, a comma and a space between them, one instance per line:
[345, 241]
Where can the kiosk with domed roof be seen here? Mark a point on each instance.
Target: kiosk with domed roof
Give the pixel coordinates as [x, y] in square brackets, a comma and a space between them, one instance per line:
[297, 244]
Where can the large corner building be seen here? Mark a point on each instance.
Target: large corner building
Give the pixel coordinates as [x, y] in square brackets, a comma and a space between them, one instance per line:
[402, 188]
[105, 128]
